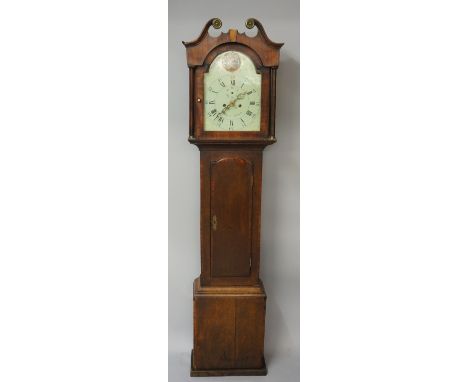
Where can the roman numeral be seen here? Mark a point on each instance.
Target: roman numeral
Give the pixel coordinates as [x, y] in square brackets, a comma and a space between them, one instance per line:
[252, 102]
[222, 84]
[248, 112]
[233, 82]
[243, 122]
[213, 112]
[242, 85]
[249, 93]
[211, 102]
[211, 90]
[231, 123]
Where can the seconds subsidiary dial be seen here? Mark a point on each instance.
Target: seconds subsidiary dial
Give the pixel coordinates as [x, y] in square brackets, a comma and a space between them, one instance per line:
[232, 94]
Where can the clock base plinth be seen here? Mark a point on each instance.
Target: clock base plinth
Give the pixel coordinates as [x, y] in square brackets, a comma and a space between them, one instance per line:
[229, 329]
[227, 372]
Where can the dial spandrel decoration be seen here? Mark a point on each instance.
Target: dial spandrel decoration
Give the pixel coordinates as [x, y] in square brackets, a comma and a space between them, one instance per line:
[232, 94]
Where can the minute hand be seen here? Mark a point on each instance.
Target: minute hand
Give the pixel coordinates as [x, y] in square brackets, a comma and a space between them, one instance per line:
[239, 97]
[233, 102]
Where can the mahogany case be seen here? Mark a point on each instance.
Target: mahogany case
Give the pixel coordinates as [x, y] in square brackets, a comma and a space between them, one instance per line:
[229, 299]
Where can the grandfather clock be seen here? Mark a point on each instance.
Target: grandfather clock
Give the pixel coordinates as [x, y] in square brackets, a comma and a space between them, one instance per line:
[232, 79]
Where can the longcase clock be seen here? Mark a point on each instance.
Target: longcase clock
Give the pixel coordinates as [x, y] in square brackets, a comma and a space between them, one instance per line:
[232, 88]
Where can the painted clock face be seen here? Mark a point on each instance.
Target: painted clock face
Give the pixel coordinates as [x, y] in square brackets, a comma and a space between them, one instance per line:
[232, 94]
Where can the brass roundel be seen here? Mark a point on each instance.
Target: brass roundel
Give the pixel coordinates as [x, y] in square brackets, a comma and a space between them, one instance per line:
[250, 23]
[217, 23]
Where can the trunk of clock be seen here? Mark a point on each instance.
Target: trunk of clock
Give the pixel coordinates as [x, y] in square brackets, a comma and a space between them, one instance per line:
[230, 216]
[229, 298]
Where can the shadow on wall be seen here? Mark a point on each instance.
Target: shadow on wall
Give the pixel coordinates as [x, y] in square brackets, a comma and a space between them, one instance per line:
[280, 217]
[287, 98]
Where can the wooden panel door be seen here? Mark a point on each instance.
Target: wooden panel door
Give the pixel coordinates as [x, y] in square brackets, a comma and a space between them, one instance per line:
[231, 190]
[214, 333]
[229, 332]
[250, 331]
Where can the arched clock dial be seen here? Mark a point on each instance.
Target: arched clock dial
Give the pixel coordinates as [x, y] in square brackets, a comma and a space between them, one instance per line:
[232, 94]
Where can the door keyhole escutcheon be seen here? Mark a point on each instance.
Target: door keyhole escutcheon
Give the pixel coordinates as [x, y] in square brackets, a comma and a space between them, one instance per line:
[214, 222]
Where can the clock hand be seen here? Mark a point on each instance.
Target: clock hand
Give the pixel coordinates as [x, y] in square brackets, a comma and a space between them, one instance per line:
[225, 108]
[233, 102]
[229, 105]
[241, 95]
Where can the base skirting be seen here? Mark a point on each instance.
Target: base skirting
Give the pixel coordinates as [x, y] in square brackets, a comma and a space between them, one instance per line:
[227, 372]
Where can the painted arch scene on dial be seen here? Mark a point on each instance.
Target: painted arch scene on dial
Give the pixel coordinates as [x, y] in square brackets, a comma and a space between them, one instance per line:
[232, 94]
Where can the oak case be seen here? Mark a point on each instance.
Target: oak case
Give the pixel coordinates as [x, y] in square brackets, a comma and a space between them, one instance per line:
[229, 298]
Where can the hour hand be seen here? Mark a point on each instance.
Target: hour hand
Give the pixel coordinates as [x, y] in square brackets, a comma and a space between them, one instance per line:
[225, 108]
[229, 105]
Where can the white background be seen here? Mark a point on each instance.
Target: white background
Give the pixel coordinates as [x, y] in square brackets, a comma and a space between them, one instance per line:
[384, 176]
[83, 191]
